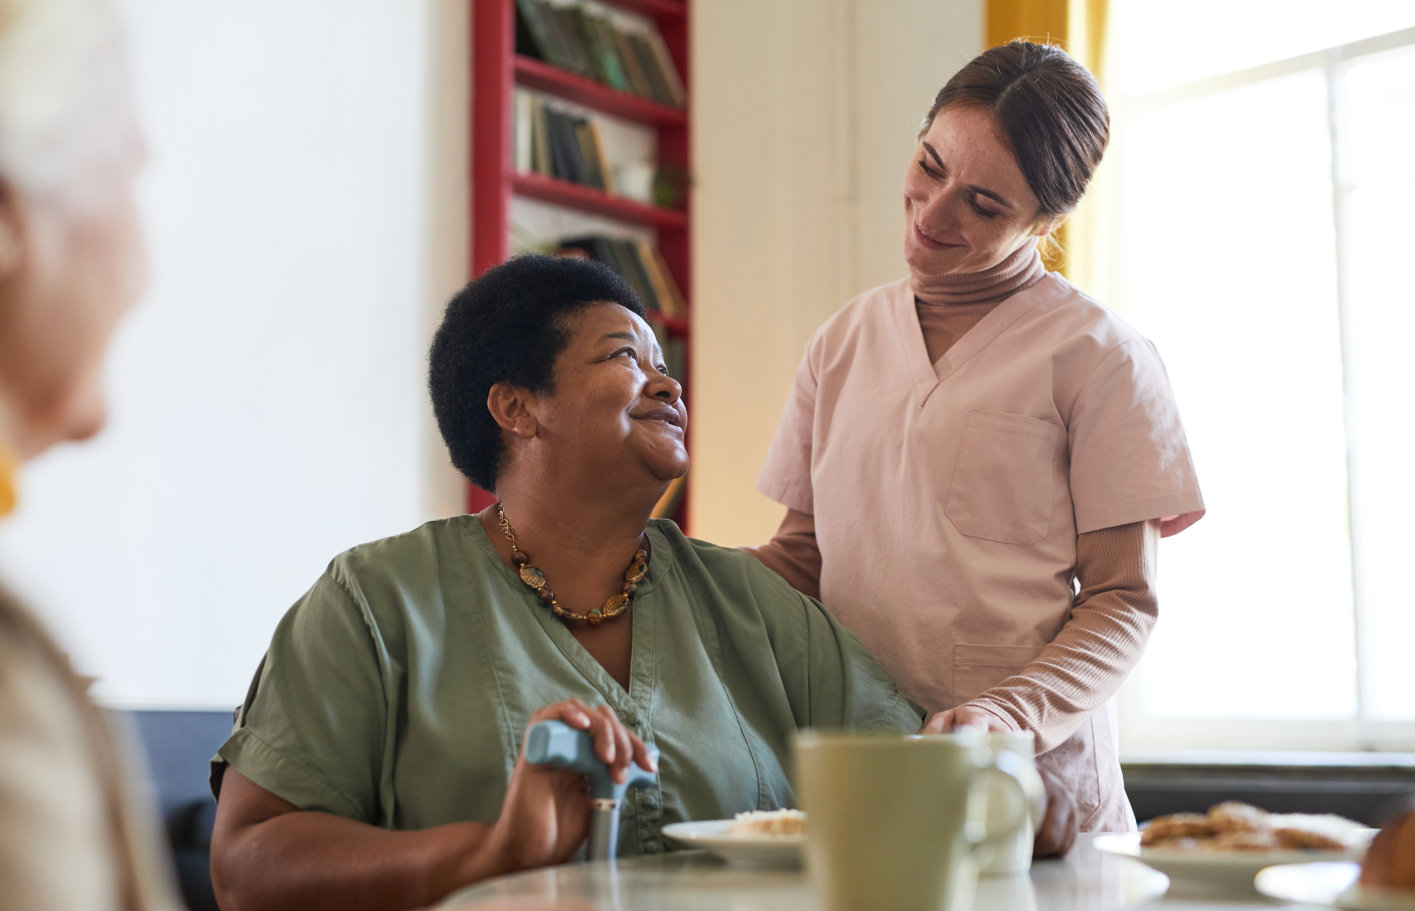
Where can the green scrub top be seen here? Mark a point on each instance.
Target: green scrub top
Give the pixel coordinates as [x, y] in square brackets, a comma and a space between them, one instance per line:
[398, 689]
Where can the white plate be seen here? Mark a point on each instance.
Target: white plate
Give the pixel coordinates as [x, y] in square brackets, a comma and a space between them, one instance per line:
[1330, 884]
[754, 851]
[1213, 872]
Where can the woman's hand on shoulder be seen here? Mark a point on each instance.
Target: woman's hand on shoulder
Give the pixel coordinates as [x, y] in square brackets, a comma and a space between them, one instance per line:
[545, 816]
[963, 718]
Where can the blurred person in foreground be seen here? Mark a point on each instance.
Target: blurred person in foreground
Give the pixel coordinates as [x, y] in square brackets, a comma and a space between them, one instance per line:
[376, 761]
[71, 264]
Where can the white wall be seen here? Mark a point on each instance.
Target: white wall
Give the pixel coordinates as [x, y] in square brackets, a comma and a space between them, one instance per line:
[805, 112]
[306, 208]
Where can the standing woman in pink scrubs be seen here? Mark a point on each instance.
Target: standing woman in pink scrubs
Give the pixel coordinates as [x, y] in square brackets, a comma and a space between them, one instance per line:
[978, 460]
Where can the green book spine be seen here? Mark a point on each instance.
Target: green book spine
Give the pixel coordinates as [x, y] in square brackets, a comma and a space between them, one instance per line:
[605, 44]
[533, 36]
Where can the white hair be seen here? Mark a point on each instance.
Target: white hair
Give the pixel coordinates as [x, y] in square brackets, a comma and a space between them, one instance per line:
[66, 108]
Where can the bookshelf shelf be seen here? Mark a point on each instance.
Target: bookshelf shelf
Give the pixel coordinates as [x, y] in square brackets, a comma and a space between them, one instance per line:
[673, 325]
[534, 74]
[662, 9]
[505, 71]
[595, 202]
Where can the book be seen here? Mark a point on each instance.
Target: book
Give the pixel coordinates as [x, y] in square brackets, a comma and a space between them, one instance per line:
[635, 271]
[648, 63]
[647, 266]
[593, 245]
[564, 155]
[574, 38]
[581, 18]
[638, 82]
[602, 57]
[523, 146]
[622, 258]
[604, 42]
[567, 33]
[668, 71]
[621, 255]
[542, 161]
[592, 168]
[675, 290]
[606, 172]
[670, 298]
[533, 38]
[559, 144]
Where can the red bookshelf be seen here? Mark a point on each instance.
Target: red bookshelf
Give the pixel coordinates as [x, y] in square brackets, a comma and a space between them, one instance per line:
[497, 72]
[534, 74]
[662, 10]
[596, 202]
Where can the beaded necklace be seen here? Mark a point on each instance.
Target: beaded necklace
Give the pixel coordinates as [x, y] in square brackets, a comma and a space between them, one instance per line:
[536, 581]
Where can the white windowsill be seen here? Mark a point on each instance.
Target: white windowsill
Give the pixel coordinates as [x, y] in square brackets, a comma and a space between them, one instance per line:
[1275, 759]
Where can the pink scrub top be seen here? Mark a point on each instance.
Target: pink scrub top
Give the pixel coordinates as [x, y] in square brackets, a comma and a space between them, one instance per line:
[947, 497]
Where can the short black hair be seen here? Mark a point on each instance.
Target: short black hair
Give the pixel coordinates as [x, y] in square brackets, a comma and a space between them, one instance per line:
[508, 326]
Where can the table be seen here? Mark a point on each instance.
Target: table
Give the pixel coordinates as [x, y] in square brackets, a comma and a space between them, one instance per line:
[1085, 880]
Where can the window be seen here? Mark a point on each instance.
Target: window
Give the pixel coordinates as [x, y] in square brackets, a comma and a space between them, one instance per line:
[1260, 182]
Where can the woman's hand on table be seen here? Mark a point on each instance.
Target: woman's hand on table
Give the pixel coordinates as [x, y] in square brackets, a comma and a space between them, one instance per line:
[963, 718]
[545, 816]
[1057, 832]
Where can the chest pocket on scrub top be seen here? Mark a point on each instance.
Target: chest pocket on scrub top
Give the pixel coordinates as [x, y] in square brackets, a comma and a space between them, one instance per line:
[1003, 477]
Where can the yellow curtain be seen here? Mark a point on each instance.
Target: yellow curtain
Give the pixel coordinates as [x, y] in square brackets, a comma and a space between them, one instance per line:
[1079, 27]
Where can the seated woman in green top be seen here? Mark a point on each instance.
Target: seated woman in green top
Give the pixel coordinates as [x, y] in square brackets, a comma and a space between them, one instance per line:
[375, 760]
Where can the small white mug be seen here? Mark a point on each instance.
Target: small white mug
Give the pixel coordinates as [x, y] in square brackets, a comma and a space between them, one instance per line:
[1014, 854]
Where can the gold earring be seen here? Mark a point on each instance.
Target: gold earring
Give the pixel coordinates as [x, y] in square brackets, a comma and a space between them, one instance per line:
[9, 469]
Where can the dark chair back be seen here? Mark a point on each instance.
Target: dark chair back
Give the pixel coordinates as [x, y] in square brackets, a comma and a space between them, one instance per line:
[178, 746]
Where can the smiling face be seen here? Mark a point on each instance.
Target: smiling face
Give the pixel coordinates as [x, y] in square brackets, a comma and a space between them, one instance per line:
[967, 206]
[614, 407]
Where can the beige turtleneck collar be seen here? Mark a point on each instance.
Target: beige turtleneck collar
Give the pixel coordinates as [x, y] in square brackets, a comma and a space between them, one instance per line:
[1020, 270]
[949, 305]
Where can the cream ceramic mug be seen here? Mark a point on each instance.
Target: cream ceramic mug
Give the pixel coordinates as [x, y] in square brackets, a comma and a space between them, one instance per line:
[896, 821]
[1014, 853]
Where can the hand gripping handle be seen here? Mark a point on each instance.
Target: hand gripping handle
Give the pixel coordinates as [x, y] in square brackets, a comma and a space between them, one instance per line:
[555, 743]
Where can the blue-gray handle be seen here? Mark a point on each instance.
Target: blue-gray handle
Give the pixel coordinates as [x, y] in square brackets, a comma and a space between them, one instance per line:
[557, 744]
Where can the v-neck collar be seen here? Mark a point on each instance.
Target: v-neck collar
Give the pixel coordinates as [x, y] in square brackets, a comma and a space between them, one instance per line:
[626, 704]
[929, 375]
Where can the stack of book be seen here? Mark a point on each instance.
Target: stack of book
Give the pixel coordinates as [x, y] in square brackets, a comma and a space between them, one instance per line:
[573, 38]
[559, 144]
[641, 265]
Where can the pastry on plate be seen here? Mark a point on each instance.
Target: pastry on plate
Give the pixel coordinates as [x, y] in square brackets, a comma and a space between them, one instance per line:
[1233, 816]
[1176, 827]
[768, 822]
[1232, 826]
